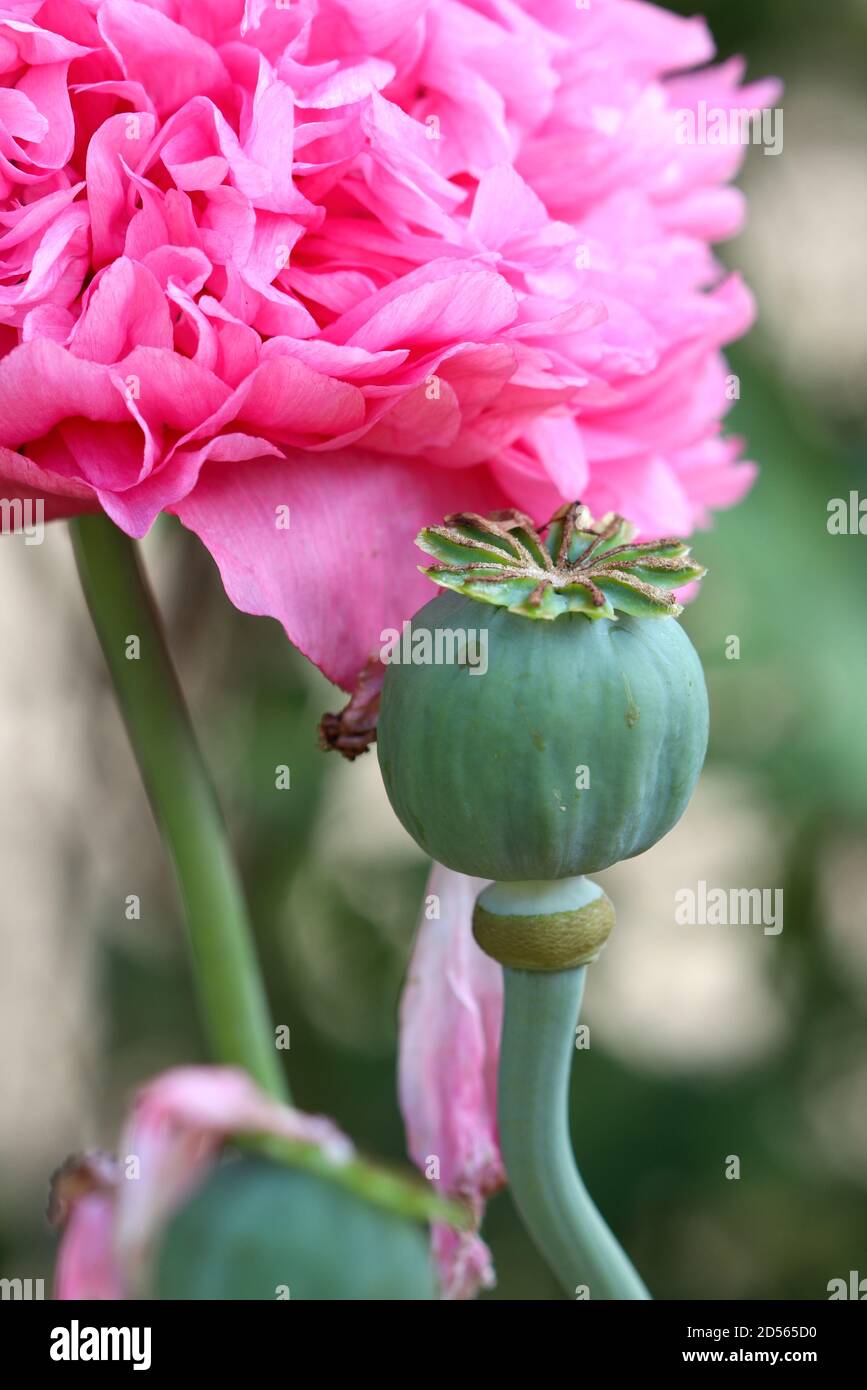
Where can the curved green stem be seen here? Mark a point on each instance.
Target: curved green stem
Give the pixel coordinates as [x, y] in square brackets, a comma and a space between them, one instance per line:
[541, 1011]
[231, 994]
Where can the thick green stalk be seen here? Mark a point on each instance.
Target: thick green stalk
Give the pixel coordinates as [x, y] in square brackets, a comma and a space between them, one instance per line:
[231, 994]
[541, 1011]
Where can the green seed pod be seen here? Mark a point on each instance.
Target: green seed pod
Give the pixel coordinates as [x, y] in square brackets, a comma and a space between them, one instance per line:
[259, 1230]
[555, 747]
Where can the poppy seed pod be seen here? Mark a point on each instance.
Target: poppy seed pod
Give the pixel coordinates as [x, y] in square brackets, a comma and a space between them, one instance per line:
[576, 742]
[259, 1230]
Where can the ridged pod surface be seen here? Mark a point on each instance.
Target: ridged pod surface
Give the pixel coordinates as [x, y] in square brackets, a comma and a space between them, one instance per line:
[256, 1228]
[578, 747]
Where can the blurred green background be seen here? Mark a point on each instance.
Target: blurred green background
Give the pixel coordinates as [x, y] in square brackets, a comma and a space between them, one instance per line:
[707, 1042]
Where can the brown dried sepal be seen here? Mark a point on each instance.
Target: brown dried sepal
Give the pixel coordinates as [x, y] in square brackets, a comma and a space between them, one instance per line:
[77, 1177]
[353, 730]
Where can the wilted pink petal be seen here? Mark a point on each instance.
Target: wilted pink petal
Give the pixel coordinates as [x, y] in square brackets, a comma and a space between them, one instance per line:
[464, 1263]
[87, 1267]
[219, 1101]
[450, 1019]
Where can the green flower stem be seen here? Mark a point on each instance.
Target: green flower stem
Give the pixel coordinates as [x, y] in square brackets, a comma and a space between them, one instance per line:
[541, 1011]
[231, 993]
[382, 1187]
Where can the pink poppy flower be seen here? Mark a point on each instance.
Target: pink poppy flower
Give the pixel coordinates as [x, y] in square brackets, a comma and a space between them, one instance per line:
[311, 276]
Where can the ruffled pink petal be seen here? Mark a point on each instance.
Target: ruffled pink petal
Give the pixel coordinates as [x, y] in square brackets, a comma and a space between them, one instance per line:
[173, 63]
[42, 384]
[308, 575]
[439, 303]
[126, 308]
[120, 141]
[21, 477]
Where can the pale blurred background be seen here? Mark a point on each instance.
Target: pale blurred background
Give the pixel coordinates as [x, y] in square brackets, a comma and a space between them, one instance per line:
[707, 1041]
